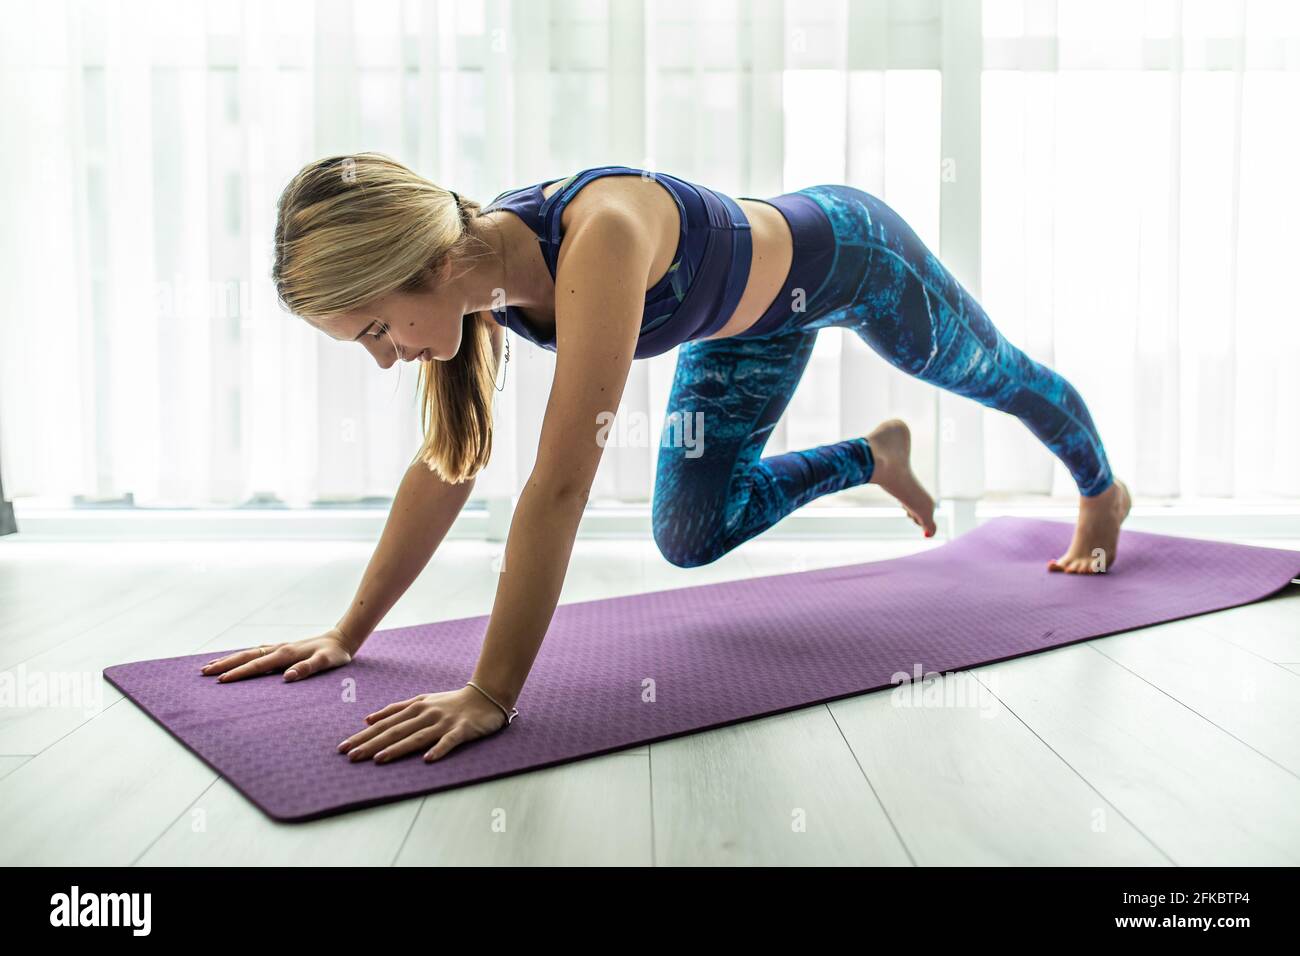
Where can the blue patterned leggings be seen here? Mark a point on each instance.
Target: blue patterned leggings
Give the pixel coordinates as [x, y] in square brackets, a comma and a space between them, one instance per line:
[872, 274]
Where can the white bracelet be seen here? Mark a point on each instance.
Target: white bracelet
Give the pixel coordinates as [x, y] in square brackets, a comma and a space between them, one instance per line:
[511, 714]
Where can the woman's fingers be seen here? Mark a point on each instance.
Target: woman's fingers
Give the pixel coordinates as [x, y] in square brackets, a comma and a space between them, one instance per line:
[367, 734]
[388, 711]
[448, 741]
[223, 664]
[385, 738]
[278, 659]
[322, 660]
[298, 659]
[412, 742]
[435, 723]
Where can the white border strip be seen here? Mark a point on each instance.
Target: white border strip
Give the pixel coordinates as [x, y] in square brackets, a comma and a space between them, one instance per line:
[365, 524]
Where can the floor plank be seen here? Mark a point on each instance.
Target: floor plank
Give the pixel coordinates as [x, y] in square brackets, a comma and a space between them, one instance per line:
[1201, 796]
[100, 796]
[592, 812]
[72, 601]
[11, 762]
[1245, 695]
[222, 828]
[781, 790]
[968, 784]
[1269, 628]
[180, 621]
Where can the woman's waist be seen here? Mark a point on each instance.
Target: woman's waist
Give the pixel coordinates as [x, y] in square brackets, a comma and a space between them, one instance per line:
[812, 254]
[709, 280]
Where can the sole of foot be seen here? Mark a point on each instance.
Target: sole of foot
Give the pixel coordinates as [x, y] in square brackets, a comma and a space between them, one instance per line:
[1096, 536]
[891, 448]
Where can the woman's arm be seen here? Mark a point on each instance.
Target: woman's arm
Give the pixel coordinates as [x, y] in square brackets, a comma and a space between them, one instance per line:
[423, 511]
[600, 293]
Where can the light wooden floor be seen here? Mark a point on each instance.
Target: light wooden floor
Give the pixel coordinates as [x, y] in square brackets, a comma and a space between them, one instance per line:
[1173, 745]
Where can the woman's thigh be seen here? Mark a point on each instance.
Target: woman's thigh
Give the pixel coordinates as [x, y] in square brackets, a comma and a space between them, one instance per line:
[727, 395]
[891, 290]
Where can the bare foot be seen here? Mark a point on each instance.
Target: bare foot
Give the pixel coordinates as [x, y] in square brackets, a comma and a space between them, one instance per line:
[1096, 536]
[891, 447]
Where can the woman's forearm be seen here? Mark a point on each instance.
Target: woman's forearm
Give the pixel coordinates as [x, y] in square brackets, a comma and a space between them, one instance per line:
[424, 509]
[537, 554]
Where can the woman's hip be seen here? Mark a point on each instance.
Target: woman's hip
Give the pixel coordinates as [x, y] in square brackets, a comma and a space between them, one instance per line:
[840, 235]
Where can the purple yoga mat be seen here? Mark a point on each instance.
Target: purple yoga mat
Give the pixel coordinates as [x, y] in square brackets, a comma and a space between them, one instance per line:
[716, 653]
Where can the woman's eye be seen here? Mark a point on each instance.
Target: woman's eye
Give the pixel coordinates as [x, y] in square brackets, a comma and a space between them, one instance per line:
[378, 332]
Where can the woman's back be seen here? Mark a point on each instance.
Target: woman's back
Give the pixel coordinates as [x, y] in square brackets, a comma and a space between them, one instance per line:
[710, 270]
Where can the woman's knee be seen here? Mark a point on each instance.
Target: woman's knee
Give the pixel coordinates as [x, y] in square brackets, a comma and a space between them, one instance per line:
[684, 543]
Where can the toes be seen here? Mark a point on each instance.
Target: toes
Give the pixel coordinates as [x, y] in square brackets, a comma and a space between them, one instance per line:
[1077, 565]
[1065, 565]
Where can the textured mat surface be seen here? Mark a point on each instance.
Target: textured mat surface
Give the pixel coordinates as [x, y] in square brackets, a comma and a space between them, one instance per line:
[716, 654]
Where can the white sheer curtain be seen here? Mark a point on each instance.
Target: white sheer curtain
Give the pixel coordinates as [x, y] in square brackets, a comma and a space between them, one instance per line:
[1140, 203]
[1131, 160]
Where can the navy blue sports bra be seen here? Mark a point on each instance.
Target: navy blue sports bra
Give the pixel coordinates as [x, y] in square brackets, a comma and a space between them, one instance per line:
[704, 283]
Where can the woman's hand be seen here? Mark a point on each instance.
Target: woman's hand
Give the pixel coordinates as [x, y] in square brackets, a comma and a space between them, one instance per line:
[436, 721]
[297, 659]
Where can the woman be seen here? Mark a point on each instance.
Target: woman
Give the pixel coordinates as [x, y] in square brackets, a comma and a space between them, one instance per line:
[606, 266]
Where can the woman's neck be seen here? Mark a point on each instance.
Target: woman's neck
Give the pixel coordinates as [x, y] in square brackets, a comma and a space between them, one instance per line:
[515, 267]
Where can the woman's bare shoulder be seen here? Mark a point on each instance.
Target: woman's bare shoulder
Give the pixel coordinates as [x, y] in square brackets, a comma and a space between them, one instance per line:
[638, 199]
[638, 194]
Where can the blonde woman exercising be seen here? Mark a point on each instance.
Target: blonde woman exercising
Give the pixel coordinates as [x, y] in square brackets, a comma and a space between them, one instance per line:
[609, 265]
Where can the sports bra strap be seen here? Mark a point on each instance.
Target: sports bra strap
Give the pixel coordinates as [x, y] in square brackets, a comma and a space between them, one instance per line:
[551, 210]
[552, 207]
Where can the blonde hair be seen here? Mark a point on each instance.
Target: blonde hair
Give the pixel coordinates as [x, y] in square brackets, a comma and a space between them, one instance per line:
[350, 229]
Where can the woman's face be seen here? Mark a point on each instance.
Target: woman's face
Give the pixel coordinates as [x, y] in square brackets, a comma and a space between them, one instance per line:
[403, 326]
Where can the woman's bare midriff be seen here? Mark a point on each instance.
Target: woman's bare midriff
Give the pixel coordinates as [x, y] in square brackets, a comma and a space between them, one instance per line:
[773, 248]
